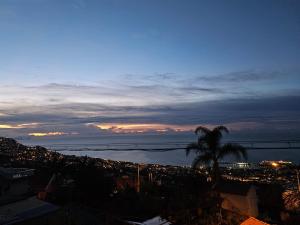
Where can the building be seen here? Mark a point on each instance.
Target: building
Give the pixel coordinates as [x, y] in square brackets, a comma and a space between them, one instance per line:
[14, 183]
[239, 198]
[16, 204]
[238, 165]
[275, 164]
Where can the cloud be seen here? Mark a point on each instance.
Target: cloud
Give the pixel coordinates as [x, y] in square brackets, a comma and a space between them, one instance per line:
[141, 127]
[130, 128]
[163, 99]
[141, 90]
[273, 113]
[197, 90]
[239, 126]
[18, 126]
[43, 134]
[245, 76]
[194, 88]
[28, 97]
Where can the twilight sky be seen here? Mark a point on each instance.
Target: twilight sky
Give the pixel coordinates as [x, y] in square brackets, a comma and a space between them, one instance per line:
[83, 67]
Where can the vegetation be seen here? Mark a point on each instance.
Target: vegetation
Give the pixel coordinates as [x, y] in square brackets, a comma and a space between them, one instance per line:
[209, 149]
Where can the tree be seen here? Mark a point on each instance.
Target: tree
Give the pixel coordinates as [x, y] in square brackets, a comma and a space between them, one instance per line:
[209, 149]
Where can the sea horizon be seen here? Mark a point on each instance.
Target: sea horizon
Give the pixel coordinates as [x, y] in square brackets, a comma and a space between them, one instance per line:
[163, 149]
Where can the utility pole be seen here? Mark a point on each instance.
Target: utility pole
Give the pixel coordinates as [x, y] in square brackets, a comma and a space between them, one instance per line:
[138, 179]
[298, 182]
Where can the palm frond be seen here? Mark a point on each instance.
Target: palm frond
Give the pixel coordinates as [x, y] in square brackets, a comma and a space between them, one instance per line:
[218, 132]
[191, 147]
[236, 150]
[202, 129]
[202, 139]
[221, 129]
[202, 159]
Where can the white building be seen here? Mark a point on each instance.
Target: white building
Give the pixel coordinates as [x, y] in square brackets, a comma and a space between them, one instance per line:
[240, 198]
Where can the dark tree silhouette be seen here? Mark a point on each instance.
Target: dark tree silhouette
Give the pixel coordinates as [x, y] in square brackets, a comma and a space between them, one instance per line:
[209, 149]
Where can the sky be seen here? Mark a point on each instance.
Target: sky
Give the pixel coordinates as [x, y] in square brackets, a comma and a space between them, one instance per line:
[89, 68]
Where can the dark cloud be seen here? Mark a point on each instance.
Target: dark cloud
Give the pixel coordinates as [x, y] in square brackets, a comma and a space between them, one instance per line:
[162, 76]
[194, 89]
[250, 75]
[160, 98]
[245, 76]
[264, 113]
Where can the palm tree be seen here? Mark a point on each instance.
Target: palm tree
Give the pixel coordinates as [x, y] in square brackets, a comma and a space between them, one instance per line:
[209, 149]
[291, 200]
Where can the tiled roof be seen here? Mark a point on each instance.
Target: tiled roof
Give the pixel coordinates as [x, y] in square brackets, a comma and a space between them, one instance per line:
[253, 221]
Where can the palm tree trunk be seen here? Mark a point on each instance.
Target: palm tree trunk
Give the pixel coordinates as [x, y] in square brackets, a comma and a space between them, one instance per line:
[216, 171]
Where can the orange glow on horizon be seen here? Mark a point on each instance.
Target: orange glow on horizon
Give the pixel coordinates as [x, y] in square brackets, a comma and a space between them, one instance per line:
[142, 128]
[41, 134]
[18, 126]
[6, 126]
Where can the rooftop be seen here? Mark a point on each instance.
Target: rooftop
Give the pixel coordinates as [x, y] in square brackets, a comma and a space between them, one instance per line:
[253, 221]
[15, 173]
[25, 209]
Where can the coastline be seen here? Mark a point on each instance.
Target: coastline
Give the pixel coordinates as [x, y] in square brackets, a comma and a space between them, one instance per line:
[165, 150]
[40, 157]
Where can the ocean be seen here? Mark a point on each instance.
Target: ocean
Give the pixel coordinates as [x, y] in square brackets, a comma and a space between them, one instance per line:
[165, 149]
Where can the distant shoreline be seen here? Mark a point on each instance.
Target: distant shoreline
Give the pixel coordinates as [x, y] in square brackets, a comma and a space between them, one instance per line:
[161, 152]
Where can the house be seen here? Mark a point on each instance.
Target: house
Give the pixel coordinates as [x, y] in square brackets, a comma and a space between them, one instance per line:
[30, 211]
[239, 197]
[14, 183]
[16, 207]
[253, 221]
